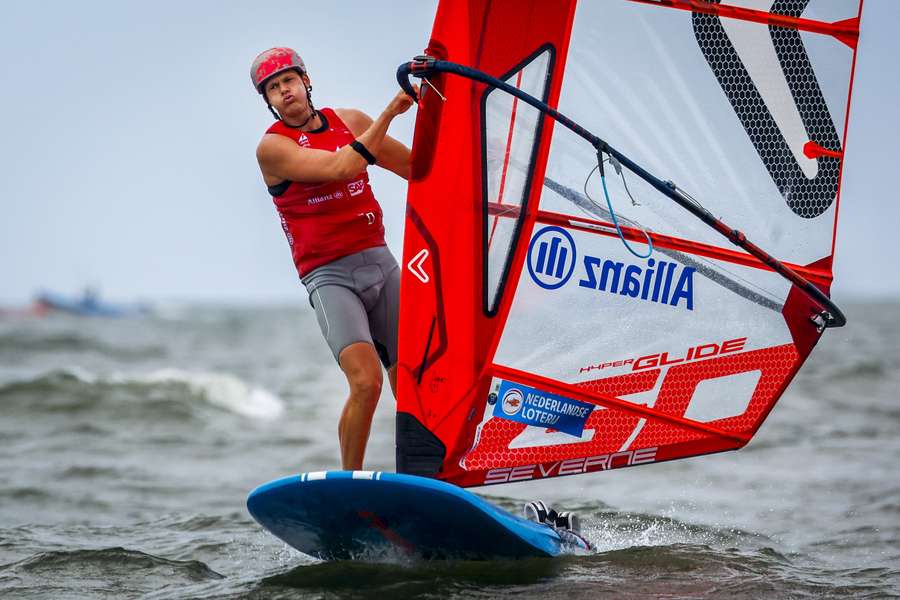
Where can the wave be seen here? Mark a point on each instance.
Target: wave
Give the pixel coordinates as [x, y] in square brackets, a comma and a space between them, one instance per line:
[223, 390]
[18, 344]
[676, 570]
[608, 528]
[862, 369]
[127, 572]
[412, 578]
[30, 495]
[172, 391]
[612, 530]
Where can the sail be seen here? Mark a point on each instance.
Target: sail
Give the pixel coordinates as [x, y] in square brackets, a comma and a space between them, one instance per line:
[545, 331]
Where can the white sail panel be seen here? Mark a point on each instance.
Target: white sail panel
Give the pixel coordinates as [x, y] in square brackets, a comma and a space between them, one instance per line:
[638, 77]
[577, 330]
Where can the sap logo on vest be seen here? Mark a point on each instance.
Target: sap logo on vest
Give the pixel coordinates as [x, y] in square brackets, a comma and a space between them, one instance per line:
[356, 187]
[552, 257]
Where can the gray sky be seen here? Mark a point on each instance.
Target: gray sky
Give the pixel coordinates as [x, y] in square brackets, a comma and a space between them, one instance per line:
[129, 129]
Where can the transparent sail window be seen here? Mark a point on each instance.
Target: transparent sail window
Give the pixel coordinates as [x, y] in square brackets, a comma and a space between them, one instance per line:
[511, 133]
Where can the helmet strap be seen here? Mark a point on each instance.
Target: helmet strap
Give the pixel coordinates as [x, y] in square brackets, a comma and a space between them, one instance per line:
[313, 112]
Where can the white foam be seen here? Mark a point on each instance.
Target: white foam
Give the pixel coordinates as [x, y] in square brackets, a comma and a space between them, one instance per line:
[223, 390]
[79, 373]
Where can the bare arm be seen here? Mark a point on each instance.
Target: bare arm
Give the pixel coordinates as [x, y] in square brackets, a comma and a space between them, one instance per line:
[281, 159]
[392, 154]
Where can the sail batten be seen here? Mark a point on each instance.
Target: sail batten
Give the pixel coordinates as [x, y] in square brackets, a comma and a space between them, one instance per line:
[663, 242]
[845, 30]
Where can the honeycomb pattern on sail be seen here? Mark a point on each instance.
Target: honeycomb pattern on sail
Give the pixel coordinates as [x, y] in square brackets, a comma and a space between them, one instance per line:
[808, 198]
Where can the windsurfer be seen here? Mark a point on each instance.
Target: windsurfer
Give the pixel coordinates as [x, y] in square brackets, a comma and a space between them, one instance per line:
[314, 162]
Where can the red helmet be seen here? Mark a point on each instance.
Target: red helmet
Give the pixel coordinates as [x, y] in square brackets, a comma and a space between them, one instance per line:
[272, 62]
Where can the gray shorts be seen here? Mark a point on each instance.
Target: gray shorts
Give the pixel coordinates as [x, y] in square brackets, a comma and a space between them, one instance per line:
[357, 299]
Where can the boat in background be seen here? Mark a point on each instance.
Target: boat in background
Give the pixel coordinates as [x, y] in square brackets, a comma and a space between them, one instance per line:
[88, 305]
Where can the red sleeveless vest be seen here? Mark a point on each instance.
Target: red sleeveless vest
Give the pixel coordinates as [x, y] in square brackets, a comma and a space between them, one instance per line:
[326, 221]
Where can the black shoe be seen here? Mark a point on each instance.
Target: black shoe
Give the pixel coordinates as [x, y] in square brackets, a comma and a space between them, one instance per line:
[569, 521]
[536, 511]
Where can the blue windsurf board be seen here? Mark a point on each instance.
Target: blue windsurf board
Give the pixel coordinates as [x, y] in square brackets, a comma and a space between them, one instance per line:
[344, 515]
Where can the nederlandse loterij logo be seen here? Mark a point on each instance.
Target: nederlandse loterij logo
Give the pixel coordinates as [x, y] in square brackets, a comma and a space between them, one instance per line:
[512, 401]
[551, 257]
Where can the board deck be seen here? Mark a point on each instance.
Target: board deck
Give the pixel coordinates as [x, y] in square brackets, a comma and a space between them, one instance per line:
[344, 515]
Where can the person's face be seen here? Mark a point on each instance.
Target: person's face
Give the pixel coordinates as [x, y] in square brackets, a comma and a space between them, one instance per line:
[286, 92]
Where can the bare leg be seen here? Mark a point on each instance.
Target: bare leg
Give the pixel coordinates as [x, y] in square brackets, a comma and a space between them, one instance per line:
[363, 370]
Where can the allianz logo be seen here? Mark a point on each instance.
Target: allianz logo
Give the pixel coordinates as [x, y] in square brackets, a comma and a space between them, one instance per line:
[552, 260]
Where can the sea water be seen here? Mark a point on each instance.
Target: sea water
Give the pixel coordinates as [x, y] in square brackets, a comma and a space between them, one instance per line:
[127, 449]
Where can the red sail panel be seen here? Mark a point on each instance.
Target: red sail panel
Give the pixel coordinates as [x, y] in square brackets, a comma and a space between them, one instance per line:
[445, 332]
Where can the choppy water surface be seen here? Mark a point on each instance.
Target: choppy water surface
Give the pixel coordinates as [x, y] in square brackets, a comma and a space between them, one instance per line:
[128, 448]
